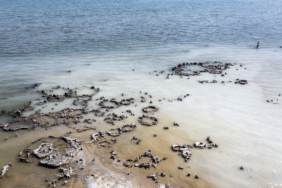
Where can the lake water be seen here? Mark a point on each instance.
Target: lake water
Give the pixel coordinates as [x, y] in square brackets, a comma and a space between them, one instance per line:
[101, 42]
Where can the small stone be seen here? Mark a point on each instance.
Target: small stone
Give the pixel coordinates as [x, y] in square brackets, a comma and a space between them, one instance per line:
[188, 174]
[241, 168]
[180, 167]
[197, 177]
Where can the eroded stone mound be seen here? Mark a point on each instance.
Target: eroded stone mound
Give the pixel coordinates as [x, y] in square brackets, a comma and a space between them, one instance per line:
[43, 150]
[183, 149]
[55, 160]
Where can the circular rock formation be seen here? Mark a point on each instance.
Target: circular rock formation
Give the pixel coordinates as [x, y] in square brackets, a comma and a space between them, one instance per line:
[150, 109]
[155, 120]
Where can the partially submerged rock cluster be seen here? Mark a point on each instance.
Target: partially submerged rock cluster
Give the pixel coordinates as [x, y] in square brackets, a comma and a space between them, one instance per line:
[185, 149]
[152, 163]
[125, 102]
[155, 120]
[5, 127]
[51, 157]
[209, 67]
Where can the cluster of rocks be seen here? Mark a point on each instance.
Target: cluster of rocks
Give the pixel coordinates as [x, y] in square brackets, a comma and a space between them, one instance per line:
[211, 144]
[213, 81]
[86, 128]
[152, 163]
[150, 109]
[120, 130]
[185, 149]
[154, 120]
[155, 176]
[125, 102]
[83, 102]
[52, 158]
[138, 139]
[5, 127]
[18, 113]
[212, 68]
[55, 98]
[114, 117]
[96, 136]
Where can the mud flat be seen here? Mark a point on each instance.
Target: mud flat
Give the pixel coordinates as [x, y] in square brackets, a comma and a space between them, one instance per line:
[135, 139]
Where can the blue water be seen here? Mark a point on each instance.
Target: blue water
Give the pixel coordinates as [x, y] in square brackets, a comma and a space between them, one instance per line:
[33, 27]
